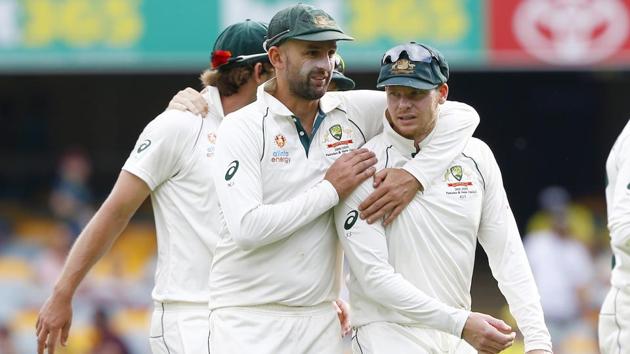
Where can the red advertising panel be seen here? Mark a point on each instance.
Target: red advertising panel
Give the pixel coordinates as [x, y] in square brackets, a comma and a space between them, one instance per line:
[562, 33]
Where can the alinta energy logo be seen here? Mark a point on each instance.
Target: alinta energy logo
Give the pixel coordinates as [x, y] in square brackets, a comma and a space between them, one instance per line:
[571, 32]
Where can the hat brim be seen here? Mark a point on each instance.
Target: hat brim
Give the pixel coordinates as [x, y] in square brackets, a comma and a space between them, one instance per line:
[343, 82]
[324, 36]
[407, 81]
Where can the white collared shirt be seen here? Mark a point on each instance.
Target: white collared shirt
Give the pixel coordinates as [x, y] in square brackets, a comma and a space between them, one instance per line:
[279, 245]
[174, 157]
[618, 204]
[427, 254]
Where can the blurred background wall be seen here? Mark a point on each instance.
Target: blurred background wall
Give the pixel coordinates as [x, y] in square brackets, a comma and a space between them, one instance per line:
[80, 79]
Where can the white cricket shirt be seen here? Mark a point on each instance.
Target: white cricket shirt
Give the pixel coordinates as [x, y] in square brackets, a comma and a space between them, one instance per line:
[428, 252]
[618, 203]
[174, 156]
[279, 245]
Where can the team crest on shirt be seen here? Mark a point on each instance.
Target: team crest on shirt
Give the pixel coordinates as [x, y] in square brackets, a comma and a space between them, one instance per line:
[212, 140]
[337, 140]
[457, 172]
[459, 182]
[280, 155]
[336, 131]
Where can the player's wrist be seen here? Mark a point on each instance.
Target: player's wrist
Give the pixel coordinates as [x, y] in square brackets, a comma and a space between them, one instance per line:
[62, 293]
[413, 178]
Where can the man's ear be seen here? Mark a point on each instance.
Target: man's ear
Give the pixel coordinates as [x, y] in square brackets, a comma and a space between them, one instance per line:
[443, 91]
[276, 57]
[259, 75]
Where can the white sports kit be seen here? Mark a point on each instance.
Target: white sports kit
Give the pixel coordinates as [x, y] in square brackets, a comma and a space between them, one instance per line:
[614, 319]
[278, 254]
[398, 272]
[174, 157]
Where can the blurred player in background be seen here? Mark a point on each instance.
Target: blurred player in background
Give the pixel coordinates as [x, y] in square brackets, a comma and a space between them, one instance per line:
[286, 160]
[427, 254]
[172, 162]
[339, 81]
[614, 319]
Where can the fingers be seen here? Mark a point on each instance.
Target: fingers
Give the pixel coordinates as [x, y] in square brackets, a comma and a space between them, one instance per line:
[42, 335]
[380, 177]
[189, 100]
[190, 105]
[498, 324]
[178, 106]
[65, 331]
[383, 211]
[373, 203]
[198, 101]
[391, 216]
[362, 161]
[352, 154]
[364, 165]
[337, 308]
[52, 339]
[369, 201]
[498, 341]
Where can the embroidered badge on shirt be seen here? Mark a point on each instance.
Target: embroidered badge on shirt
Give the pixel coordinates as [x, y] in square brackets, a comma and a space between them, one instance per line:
[280, 140]
[280, 155]
[336, 131]
[337, 140]
[459, 182]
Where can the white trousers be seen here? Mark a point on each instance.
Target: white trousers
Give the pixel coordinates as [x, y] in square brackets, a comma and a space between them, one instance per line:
[179, 328]
[273, 329]
[388, 337]
[614, 322]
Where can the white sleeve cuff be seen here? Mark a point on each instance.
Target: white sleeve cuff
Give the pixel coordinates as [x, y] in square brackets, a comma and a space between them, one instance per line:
[460, 321]
[329, 192]
[418, 175]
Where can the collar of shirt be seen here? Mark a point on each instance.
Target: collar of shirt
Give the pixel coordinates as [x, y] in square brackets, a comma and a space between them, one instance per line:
[405, 146]
[213, 97]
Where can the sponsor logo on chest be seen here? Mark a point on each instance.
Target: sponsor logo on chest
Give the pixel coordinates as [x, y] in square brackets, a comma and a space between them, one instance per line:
[459, 182]
[279, 155]
[337, 140]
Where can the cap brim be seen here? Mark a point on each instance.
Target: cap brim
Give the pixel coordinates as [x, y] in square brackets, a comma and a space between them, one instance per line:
[407, 81]
[343, 82]
[324, 36]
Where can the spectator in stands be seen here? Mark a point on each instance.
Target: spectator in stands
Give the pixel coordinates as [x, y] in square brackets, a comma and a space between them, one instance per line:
[562, 267]
[107, 340]
[6, 342]
[71, 198]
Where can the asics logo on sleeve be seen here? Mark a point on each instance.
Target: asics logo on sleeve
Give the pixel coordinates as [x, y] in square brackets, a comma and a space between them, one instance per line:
[351, 219]
[232, 168]
[145, 144]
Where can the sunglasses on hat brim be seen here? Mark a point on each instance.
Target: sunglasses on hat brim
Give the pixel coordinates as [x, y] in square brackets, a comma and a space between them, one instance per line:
[414, 51]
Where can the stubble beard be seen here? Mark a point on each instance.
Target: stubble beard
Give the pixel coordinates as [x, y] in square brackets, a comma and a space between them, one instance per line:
[303, 88]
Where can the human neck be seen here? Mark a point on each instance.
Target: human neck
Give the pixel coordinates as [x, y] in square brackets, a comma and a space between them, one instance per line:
[246, 94]
[302, 108]
[429, 128]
